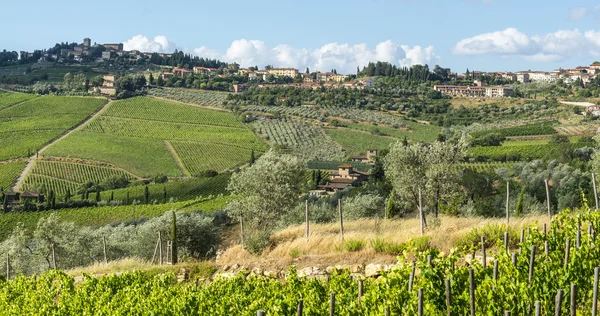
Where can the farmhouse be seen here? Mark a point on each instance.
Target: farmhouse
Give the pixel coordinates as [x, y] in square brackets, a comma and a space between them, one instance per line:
[345, 177]
[108, 87]
[183, 73]
[369, 158]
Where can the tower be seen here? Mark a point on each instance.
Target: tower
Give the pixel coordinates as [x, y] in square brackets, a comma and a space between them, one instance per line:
[87, 42]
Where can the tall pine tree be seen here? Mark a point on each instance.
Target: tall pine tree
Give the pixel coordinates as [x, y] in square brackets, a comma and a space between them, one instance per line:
[173, 238]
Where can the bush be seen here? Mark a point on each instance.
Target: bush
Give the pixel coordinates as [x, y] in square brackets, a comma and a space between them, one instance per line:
[390, 248]
[114, 182]
[160, 178]
[420, 244]
[491, 232]
[354, 245]
[256, 241]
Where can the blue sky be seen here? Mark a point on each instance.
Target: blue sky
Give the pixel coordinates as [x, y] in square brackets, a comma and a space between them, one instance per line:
[475, 34]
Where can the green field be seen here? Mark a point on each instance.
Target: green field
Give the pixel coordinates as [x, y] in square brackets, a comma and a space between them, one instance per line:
[137, 134]
[8, 99]
[9, 172]
[27, 126]
[417, 132]
[199, 97]
[60, 176]
[545, 128]
[357, 142]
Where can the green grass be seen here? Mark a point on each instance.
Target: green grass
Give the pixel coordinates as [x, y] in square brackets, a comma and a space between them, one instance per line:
[212, 205]
[9, 172]
[28, 126]
[88, 216]
[133, 134]
[8, 99]
[545, 128]
[357, 142]
[140, 156]
[417, 132]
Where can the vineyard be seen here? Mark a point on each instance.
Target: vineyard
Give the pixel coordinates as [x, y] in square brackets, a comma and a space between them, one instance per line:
[357, 142]
[60, 176]
[9, 172]
[511, 153]
[303, 139]
[577, 130]
[544, 128]
[550, 272]
[199, 97]
[27, 126]
[140, 134]
[7, 99]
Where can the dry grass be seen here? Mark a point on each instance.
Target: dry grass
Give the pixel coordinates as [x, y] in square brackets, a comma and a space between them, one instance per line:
[325, 247]
[134, 264]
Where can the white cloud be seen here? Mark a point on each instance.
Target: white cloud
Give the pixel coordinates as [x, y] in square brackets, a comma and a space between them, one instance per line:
[555, 46]
[418, 55]
[578, 13]
[160, 44]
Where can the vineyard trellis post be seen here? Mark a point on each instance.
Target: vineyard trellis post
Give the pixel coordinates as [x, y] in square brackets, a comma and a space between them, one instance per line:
[506, 313]
[531, 263]
[260, 313]
[483, 253]
[307, 220]
[411, 278]
[387, 311]
[331, 304]
[420, 300]
[567, 252]
[360, 290]
[573, 299]
[538, 308]
[506, 241]
[595, 292]
[558, 303]
[471, 292]
[507, 203]
[449, 296]
[300, 307]
[104, 249]
[421, 217]
[514, 259]
[495, 273]
[595, 189]
[341, 219]
[548, 199]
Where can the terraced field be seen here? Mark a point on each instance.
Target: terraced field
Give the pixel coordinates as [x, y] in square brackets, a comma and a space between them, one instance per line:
[199, 97]
[9, 172]
[135, 134]
[28, 126]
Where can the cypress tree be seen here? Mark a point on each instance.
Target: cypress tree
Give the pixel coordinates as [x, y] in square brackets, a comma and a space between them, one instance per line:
[98, 197]
[252, 158]
[5, 204]
[519, 208]
[112, 196]
[318, 177]
[52, 199]
[173, 238]
[164, 194]
[390, 205]
[146, 195]
[405, 142]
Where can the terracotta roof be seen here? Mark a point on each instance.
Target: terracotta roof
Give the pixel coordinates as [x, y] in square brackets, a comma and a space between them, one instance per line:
[345, 166]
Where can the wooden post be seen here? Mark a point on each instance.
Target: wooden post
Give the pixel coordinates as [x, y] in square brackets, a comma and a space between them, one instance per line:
[104, 249]
[514, 259]
[531, 263]
[472, 291]
[53, 258]
[546, 248]
[307, 221]
[483, 254]
[544, 229]
[341, 219]
[411, 277]
[538, 308]
[421, 217]
[522, 236]
[495, 274]
[7, 267]
[595, 190]
[558, 303]
[332, 304]
[595, 295]
[506, 241]
[449, 296]
[300, 307]
[387, 311]
[578, 240]
[160, 255]
[548, 200]
[567, 251]
[242, 230]
[360, 290]
[573, 299]
[429, 261]
[506, 313]
[420, 299]
[260, 313]
[507, 203]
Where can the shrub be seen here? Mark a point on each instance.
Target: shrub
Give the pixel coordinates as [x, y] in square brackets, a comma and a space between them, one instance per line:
[354, 245]
[160, 178]
[420, 244]
[390, 248]
[256, 241]
[296, 252]
[491, 232]
[114, 182]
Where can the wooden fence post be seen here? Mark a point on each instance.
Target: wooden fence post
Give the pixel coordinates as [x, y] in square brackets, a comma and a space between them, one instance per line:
[578, 240]
[567, 251]
[558, 303]
[514, 259]
[531, 263]
[538, 308]
[160, 255]
[360, 290]
[495, 274]
[307, 221]
[506, 241]
[548, 200]
[595, 190]
[300, 307]
[53, 257]
[472, 292]
[421, 216]
[544, 229]
[104, 249]
[507, 203]
[411, 277]
[420, 299]
[341, 219]
[595, 295]
[332, 304]
[546, 248]
[506, 313]
[573, 299]
[449, 296]
[483, 254]
[260, 313]
[430, 260]
[522, 238]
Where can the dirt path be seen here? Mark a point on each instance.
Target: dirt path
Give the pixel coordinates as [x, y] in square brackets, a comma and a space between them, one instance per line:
[177, 159]
[31, 160]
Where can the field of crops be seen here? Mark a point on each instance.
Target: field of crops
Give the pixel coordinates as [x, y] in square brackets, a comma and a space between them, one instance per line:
[200, 97]
[545, 128]
[304, 140]
[549, 273]
[357, 142]
[60, 176]
[27, 126]
[511, 153]
[139, 135]
[578, 130]
[88, 216]
[9, 172]
[8, 99]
